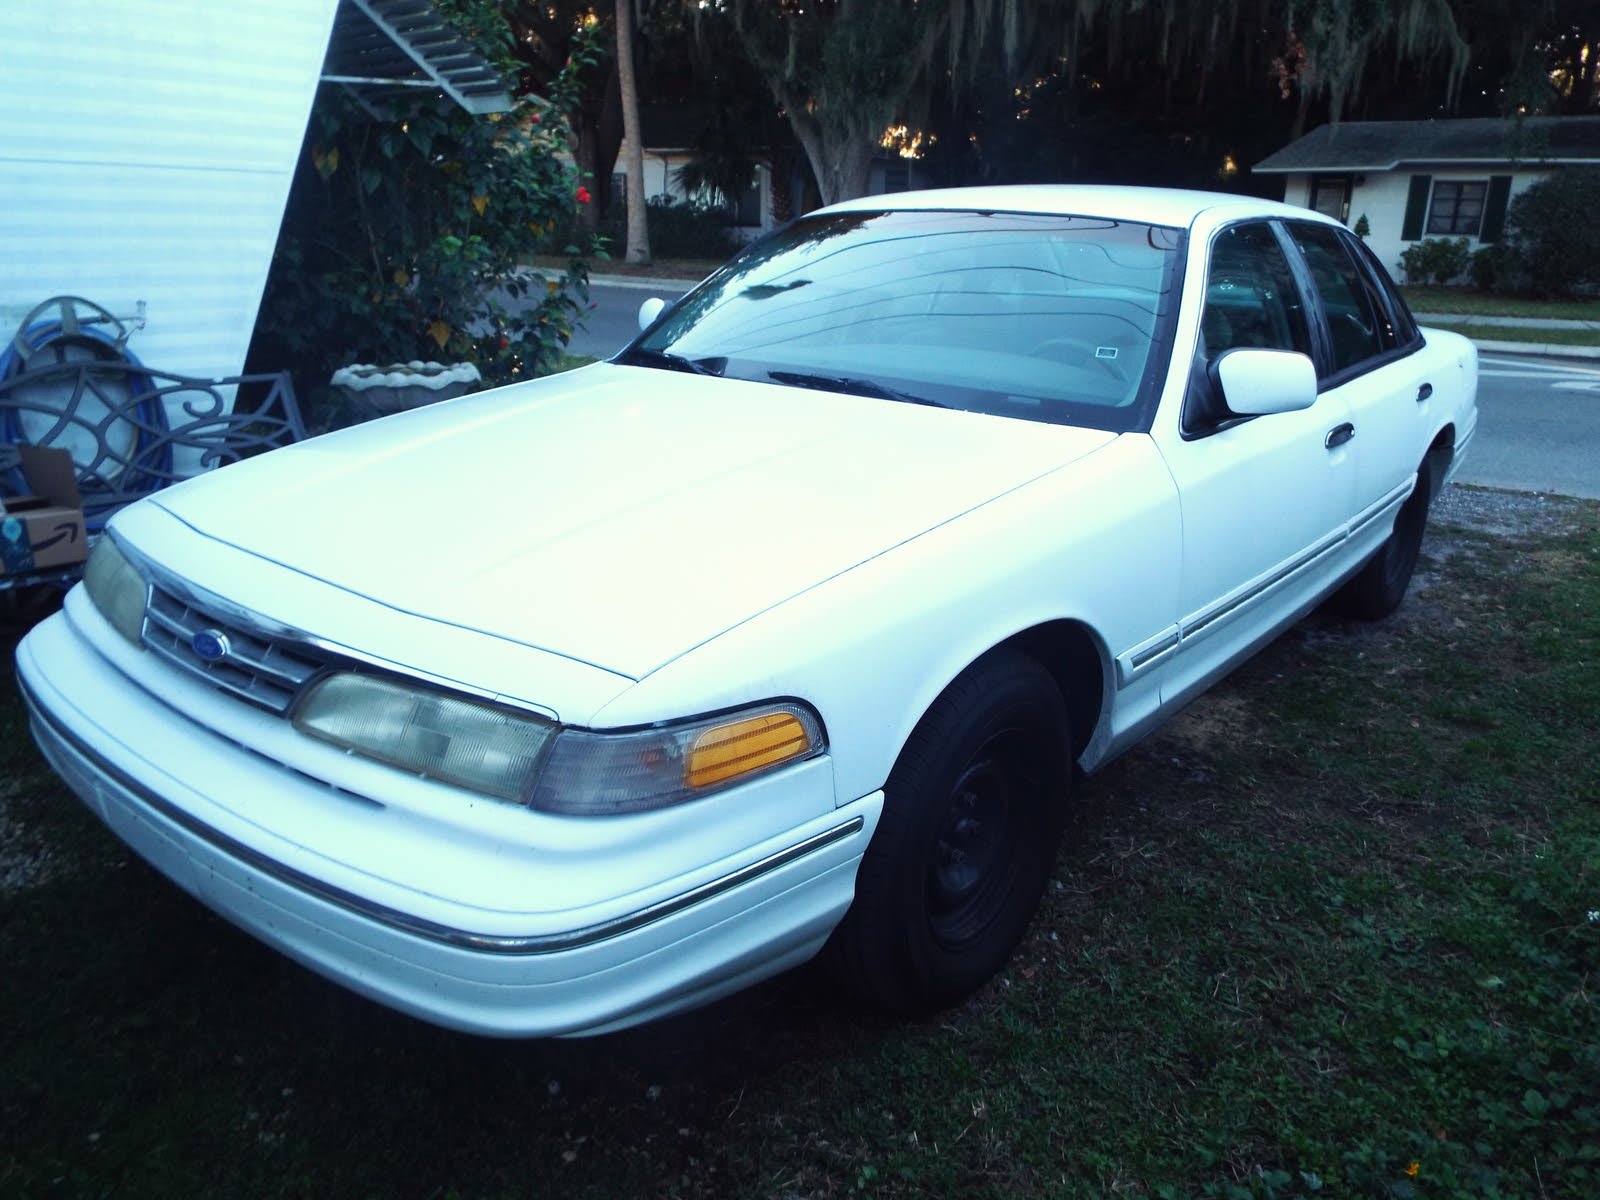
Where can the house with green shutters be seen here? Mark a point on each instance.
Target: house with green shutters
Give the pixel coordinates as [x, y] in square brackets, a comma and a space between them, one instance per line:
[1420, 179]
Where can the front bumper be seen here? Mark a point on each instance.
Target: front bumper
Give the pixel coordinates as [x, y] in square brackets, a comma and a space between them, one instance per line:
[429, 945]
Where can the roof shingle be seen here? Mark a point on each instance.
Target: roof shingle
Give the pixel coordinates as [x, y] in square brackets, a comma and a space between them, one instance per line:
[1385, 145]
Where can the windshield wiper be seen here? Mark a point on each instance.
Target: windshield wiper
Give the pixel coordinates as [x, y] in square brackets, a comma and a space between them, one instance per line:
[855, 387]
[642, 356]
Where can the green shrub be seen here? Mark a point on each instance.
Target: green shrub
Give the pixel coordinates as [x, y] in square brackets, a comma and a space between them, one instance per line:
[1438, 260]
[402, 239]
[1492, 268]
[1552, 232]
[689, 229]
[678, 229]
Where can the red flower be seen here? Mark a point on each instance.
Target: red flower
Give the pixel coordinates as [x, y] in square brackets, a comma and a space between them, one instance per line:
[583, 195]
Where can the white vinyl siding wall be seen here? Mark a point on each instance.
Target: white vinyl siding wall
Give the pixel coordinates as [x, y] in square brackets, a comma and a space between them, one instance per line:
[146, 154]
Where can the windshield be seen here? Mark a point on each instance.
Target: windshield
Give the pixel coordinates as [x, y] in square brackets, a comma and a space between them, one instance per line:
[1047, 318]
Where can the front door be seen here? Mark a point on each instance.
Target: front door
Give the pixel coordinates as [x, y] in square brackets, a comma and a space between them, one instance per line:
[1265, 499]
[1330, 196]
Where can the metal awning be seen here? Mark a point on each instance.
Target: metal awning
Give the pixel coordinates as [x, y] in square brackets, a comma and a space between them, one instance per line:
[383, 48]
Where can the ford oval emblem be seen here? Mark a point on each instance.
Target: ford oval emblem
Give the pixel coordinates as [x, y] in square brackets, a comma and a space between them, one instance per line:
[210, 645]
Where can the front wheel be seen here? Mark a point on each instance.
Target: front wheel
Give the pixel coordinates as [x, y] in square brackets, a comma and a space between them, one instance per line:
[973, 814]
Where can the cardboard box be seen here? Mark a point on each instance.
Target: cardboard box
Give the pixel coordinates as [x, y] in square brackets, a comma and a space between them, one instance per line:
[44, 529]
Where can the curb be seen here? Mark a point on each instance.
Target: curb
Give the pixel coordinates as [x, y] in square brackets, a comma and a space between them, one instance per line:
[1487, 322]
[1538, 349]
[642, 283]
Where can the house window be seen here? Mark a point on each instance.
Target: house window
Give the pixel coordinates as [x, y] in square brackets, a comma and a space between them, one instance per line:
[1457, 208]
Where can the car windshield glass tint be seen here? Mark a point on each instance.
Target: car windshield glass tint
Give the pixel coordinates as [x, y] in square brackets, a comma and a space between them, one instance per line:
[1047, 318]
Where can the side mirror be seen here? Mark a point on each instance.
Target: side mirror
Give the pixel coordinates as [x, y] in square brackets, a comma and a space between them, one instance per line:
[1254, 383]
[649, 311]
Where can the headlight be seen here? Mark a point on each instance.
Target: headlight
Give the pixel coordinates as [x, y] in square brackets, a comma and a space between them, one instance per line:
[514, 756]
[470, 744]
[604, 774]
[117, 588]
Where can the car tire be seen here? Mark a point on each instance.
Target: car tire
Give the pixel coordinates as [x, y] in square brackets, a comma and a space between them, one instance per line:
[1376, 590]
[973, 814]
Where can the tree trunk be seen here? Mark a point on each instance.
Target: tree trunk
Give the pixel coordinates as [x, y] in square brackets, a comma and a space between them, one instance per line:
[840, 158]
[846, 172]
[633, 134]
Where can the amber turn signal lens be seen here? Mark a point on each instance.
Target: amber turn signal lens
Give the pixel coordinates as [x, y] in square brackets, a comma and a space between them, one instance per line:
[729, 751]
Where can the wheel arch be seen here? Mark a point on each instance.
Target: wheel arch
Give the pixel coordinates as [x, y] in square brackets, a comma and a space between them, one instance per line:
[1076, 659]
[1441, 452]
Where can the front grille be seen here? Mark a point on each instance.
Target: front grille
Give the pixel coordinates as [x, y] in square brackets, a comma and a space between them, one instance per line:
[264, 670]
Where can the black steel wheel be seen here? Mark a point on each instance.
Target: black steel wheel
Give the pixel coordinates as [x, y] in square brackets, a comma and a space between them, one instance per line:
[973, 814]
[1377, 589]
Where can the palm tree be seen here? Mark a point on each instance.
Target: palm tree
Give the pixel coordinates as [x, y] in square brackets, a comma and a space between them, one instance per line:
[632, 132]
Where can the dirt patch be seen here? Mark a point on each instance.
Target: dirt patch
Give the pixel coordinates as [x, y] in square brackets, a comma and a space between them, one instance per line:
[1511, 514]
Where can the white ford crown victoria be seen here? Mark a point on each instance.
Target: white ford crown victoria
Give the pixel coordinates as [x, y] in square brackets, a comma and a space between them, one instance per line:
[563, 706]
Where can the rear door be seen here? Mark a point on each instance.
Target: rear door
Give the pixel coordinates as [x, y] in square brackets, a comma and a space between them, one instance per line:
[1372, 359]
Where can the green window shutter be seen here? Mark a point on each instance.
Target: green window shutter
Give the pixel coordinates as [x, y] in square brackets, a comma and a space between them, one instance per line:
[1494, 208]
[1416, 207]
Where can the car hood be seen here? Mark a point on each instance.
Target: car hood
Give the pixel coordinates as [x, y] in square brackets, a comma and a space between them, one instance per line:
[616, 515]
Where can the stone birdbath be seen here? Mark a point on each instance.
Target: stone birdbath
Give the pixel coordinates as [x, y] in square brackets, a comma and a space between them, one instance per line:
[400, 386]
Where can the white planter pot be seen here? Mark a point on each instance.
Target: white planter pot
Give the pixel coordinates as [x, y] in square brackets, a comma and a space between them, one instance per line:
[400, 386]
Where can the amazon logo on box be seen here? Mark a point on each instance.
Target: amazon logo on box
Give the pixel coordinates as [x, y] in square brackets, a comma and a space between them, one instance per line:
[44, 527]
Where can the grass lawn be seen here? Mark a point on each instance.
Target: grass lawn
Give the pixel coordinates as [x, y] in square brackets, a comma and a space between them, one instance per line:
[1473, 303]
[570, 361]
[1521, 333]
[1334, 931]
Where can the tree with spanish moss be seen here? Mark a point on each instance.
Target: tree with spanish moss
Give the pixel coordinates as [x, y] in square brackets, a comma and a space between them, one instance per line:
[843, 70]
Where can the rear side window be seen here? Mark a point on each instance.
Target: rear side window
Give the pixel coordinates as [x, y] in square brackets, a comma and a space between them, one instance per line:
[1251, 298]
[1359, 323]
[1405, 325]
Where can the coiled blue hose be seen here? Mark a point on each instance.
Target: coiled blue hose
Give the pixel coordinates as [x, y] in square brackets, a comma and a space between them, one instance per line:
[149, 413]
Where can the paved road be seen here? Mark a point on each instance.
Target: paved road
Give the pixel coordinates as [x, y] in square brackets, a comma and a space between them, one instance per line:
[614, 320]
[1538, 428]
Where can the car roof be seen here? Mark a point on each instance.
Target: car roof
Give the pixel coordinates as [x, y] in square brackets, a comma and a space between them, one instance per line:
[1154, 206]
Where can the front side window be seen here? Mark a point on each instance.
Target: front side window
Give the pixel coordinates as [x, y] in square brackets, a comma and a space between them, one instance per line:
[1456, 209]
[1047, 318]
[1252, 302]
[1251, 298]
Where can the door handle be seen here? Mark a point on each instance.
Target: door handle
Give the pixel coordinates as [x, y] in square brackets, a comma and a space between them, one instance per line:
[1424, 392]
[1339, 435]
